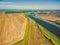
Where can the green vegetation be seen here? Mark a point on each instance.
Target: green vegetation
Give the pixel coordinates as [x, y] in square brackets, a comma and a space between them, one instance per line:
[49, 35]
[18, 11]
[27, 13]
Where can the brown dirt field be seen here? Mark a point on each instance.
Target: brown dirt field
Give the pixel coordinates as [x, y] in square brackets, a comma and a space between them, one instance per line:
[12, 28]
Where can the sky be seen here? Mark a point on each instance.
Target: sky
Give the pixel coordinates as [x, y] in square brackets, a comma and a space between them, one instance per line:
[29, 4]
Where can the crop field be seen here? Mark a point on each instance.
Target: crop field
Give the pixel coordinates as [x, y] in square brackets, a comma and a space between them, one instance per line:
[24, 28]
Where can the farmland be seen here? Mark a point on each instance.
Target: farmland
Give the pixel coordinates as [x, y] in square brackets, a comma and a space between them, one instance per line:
[23, 28]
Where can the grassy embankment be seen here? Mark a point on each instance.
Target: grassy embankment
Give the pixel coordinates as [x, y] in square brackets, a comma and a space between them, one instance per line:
[49, 35]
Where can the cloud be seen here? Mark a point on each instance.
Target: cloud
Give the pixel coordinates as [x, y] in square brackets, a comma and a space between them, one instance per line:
[11, 5]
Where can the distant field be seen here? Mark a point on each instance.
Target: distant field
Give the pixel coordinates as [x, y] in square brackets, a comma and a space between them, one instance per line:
[55, 22]
[58, 21]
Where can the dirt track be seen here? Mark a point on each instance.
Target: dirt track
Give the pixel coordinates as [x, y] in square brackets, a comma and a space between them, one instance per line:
[36, 36]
